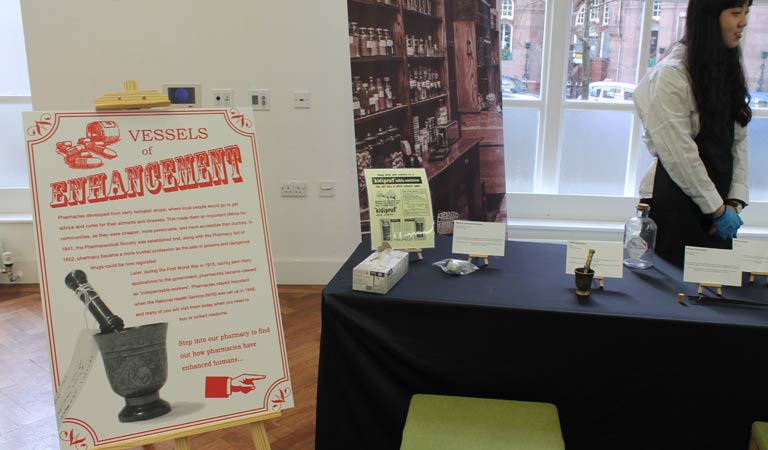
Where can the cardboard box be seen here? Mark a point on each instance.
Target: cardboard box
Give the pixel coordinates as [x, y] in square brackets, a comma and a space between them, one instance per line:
[378, 273]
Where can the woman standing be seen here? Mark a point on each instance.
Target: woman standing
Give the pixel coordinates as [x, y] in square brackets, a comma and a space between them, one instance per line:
[694, 106]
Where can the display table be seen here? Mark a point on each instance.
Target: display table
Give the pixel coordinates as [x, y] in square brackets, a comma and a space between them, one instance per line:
[631, 368]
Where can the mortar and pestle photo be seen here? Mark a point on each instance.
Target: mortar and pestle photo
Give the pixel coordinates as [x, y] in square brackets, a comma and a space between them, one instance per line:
[135, 358]
[584, 277]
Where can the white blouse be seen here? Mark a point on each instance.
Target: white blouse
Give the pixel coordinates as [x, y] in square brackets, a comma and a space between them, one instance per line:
[665, 103]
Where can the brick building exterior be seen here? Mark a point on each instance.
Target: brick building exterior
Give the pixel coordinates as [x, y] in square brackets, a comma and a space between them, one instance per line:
[614, 32]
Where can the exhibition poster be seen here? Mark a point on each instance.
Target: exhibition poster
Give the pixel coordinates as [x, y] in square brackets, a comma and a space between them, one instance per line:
[426, 82]
[156, 275]
[401, 208]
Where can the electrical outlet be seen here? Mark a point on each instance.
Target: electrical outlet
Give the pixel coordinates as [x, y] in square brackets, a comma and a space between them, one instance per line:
[293, 188]
[261, 99]
[302, 99]
[222, 97]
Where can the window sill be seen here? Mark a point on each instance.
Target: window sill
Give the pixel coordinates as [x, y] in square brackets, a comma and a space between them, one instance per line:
[7, 218]
[564, 230]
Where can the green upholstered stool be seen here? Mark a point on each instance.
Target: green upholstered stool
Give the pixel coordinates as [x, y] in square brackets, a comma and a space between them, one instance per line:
[438, 422]
[759, 439]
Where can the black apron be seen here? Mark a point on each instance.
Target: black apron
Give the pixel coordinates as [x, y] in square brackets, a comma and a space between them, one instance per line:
[680, 221]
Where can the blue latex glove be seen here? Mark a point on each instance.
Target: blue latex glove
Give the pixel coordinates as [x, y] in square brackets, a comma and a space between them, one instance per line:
[728, 224]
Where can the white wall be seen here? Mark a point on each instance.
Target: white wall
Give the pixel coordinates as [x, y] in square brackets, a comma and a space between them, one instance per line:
[77, 50]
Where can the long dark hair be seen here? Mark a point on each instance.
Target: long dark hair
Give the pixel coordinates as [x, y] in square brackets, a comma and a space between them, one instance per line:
[717, 76]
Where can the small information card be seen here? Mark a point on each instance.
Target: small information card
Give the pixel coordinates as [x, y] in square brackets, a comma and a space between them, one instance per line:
[753, 255]
[711, 266]
[479, 238]
[607, 261]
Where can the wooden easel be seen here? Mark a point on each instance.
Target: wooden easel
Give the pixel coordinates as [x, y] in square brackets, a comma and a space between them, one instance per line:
[476, 256]
[752, 276]
[418, 251]
[181, 438]
[718, 288]
[132, 98]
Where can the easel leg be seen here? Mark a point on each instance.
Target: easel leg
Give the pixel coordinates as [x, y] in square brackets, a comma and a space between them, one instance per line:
[718, 288]
[600, 281]
[181, 443]
[260, 438]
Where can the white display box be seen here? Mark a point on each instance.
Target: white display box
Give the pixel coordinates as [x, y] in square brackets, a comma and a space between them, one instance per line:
[378, 273]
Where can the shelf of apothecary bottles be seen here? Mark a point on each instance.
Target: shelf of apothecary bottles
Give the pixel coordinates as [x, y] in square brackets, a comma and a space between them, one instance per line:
[430, 99]
[425, 58]
[370, 59]
[379, 114]
[421, 15]
[392, 5]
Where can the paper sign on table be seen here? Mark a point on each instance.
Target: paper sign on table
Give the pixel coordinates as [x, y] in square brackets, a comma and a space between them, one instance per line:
[711, 266]
[607, 262]
[753, 255]
[400, 208]
[479, 238]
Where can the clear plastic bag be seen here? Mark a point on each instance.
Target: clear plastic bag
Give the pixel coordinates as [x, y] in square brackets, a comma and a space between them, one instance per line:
[455, 266]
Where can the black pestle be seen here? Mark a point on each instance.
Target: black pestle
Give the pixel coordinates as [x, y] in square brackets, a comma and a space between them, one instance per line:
[78, 282]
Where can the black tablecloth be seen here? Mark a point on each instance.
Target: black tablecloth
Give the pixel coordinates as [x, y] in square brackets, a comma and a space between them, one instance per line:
[630, 368]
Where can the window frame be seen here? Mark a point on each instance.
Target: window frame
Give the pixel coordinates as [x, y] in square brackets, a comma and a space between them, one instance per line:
[594, 13]
[507, 9]
[552, 105]
[506, 37]
[656, 15]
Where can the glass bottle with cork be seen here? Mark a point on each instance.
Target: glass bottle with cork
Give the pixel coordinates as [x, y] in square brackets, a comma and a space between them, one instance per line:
[639, 239]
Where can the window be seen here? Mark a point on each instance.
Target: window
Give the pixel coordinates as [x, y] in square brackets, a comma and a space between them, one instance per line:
[506, 42]
[605, 44]
[507, 9]
[594, 13]
[14, 98]
[606, 14]
[582, 144]
[657, 9]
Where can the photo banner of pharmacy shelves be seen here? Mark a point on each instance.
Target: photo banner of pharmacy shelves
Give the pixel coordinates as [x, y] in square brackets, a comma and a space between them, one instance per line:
[157, 280]
[419, 102]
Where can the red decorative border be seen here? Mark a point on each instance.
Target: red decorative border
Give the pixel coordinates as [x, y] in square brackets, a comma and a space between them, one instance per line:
[72, 436]
[280, 398]
[241, 126]
[240, 120]
[42, 126]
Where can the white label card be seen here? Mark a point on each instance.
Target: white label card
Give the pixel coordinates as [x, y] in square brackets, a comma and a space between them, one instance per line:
[753, 255]
[608, 260]
[711, 265]
[479, 238]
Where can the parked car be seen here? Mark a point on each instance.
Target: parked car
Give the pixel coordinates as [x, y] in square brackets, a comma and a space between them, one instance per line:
[611, 91]
[513, 85]
[515, 88]
[758, 99]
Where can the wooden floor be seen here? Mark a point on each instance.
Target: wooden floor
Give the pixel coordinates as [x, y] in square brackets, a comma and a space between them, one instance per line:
[26, 401]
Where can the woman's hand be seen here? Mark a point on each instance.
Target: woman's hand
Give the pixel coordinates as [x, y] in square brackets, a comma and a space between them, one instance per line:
[727, 223]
